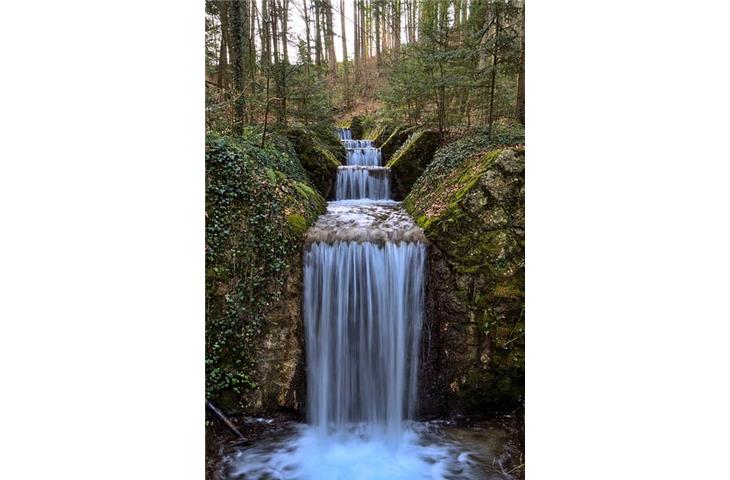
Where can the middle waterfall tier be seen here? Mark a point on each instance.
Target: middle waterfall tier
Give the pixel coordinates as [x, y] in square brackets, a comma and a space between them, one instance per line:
[365, 156]
[358, 182]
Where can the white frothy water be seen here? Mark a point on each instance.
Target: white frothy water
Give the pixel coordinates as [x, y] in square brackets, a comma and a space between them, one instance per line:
[364, 275]
[306, 454]
[362, 177]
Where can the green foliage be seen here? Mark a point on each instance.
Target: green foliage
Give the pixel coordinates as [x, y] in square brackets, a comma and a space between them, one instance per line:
[445, 78]
[310, 102]
[258, 206]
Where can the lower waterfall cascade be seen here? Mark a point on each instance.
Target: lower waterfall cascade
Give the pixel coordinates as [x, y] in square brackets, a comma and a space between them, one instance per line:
[364, 286]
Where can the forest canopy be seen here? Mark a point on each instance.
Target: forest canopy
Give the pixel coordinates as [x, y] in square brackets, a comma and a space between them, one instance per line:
[441, 64]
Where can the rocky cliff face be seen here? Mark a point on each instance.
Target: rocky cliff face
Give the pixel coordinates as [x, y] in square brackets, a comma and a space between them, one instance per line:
[470, 203]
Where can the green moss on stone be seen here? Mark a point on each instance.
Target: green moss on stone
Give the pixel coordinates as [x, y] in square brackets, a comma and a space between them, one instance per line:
[411, 159]
[320, 153]
[470, 203]
[297, 223]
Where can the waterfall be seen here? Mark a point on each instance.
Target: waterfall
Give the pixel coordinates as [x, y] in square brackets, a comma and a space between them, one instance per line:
[362, 177]
[366, 156]
[363, 309]
[349, 143]
[344, 133]
[355, 182]
[363, 303]
[364, 275]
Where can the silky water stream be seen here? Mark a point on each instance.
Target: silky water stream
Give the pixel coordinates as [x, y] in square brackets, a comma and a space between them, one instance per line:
[364, 281]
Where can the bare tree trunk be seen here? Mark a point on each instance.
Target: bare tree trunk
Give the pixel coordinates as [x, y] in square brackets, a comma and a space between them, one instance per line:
[330, 39]
[367, 21]
[284, 14]
[344, 54]
[265, 35]
[318, 32]
[356, 35]
[239, 62]
[278, 76]
[223, 56]
[306, 25]
[520, 108]
[396, 27]
[376, 13]
[495, 59]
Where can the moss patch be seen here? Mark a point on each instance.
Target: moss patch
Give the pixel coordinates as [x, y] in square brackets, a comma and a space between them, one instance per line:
[320, 153]
[412, 157]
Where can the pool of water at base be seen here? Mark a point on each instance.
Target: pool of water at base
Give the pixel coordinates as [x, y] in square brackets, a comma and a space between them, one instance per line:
[424, 450]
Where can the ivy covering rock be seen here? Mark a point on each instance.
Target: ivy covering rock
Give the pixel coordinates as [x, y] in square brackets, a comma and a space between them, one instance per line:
[259, 203]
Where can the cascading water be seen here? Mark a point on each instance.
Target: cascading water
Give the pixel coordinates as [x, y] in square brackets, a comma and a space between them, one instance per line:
[365, 156]
[356, 182]
[362, 178]
[364, 271]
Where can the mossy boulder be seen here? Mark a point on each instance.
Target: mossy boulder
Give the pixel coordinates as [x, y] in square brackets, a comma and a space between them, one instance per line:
[378, 133]
[395, 138]
[411, 159]
[470, 204]
[320, 153]
[259, 203]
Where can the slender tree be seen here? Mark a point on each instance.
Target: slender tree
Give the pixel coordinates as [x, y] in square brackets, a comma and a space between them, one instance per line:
[306, 28]
[238, 60]
[520, 107]
[396, 26]
[495, 60]
[356, 35]
[223, 55]
[344, 54]
[318, 34]
[376, 15]
[330, 39]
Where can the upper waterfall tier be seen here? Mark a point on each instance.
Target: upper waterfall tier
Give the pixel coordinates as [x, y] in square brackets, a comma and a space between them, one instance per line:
[349, 143]
[344, 133]
[365, 221]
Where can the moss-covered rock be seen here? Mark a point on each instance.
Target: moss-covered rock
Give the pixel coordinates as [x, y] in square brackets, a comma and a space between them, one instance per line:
[356, 127]
[411, 159]
[259, 203]
[378, 133]
[470, 203]
[320, 153]
[395, 138]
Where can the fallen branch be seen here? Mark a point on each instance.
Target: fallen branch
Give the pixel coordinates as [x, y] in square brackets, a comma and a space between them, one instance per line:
[220, 415]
